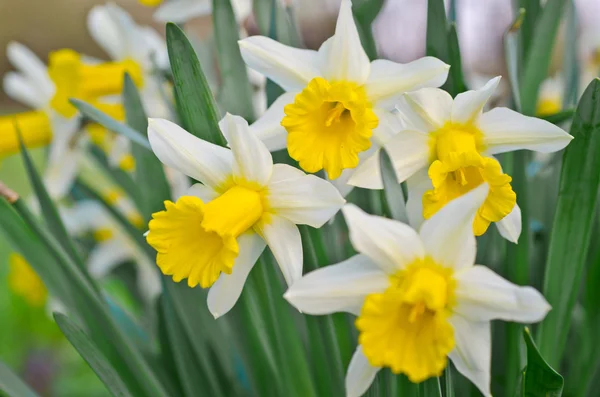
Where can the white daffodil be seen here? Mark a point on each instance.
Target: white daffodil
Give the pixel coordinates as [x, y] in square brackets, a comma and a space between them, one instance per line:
[214, 235]
[124, 40]
[418, 297]
[336, 98]
[114, 246]
[183, 10]
[53, 121]
[443, 148]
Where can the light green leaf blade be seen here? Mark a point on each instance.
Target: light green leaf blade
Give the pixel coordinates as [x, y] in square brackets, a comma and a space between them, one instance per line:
[12, 385]
[108, 122]
[92, 355]
[571, 232]
[394, 196]
[149, 173]
[540, 380]
[195, 102]
[236, 93]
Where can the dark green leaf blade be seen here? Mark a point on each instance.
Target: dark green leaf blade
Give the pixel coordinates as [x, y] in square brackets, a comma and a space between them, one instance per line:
[540, 380]
[149, 173]
[236, 93]
[194, 99]
[12, 385]
[92, 355]
[571, 232]
[108, 122]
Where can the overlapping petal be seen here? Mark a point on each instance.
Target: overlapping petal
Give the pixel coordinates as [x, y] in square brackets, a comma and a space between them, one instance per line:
[31, 67]
[448, 235]
[252, 160]
[467, 106]
[177, 148]
[390, 244]
[182, 10]
[510, 226]
[268, 127]
[389, 80]
[227, 289]
[360, 374]
[20, 89]
[425, 110]
[409, 152]
[338, 288]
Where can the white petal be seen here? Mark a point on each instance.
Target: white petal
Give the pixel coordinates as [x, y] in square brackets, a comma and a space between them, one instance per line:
[360, 374]
[20, 89]
[252, 160]
[283, 238]
[338, 288]
[390, 244]
[268, 127]
[468, 105]
[367, 174]
[425, 110]
[482, 295]
[388, 80]
[417, 185]
[390, 123]
[448, 234]
[182, 10]
[83, 216]
[341, 182]
[148, 278]
[106, 32]
[227, 289]
[27, 63]
[177, 148]
[203, 192]
[409, 152]
[505, 130]
[284, 172]
[63, 159]
[291, 68]
[510, 226]
[304, 200]
[472, 354]
[342, 57]
[106, 256]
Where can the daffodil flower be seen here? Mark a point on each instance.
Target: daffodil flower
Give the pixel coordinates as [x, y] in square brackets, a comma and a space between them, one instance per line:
[214, 235]
[24, 281]
[335, 98]
[443, 148]
[419, 297]
[183, 10]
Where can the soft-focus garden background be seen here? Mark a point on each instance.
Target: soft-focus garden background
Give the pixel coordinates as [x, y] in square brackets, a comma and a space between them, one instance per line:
[30, 341]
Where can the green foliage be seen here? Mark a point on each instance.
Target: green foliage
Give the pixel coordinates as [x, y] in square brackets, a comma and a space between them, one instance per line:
[539, 379]
[11, 385]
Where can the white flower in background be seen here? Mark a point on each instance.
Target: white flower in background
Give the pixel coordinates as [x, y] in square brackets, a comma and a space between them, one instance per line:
[113, 245]
[419, 297]
[336, 99]
[214, 235]
[443, 149]
[53, 121]
[183, 10]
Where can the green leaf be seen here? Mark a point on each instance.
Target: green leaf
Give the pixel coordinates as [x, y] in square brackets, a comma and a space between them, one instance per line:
[150, 176]
[560, 117]
[513, 58]
[571, 59]
[365, 12]
[540, 380]
[236, 93]
[442, 43]
[49, 211]
[532, 10]
[92, 355]
[571, 232]
[394, 196]
[195, 102]
[11, 385]
[538, 53]
[108, 122]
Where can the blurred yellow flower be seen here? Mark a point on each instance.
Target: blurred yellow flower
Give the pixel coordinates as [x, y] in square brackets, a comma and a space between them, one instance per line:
[24, 281]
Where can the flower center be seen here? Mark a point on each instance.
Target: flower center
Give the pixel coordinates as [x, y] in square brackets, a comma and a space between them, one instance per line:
[74, 79]
[328, 125]
[35, 129]
[197, 241]
[405, 328]
[455, 138]
[25, 282]
[460, 173]
[103, 234]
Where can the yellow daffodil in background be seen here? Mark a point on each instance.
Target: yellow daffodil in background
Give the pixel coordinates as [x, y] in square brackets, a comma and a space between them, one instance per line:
[336, 98]
[443, 148]
[54, 120]
[214, 235]
[419, 297]
[550, 100]
[24, 281]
